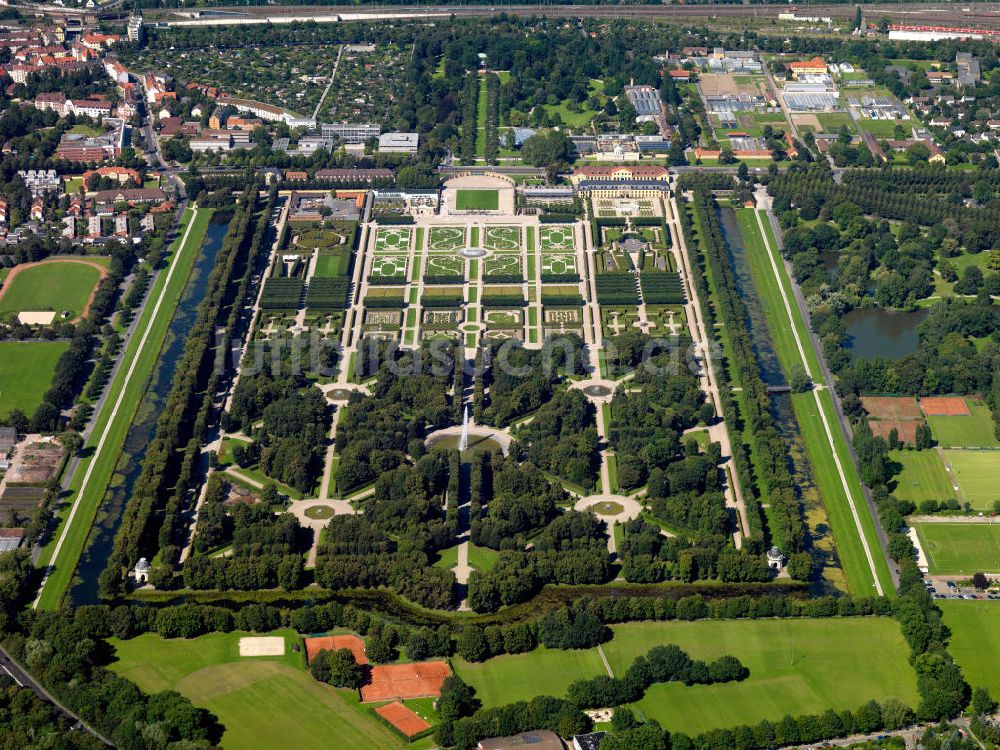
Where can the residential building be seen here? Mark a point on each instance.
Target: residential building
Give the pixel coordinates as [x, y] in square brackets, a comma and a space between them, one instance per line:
[267, 112]
[816, 66]
[130, 196]
[398, 143]
[355, 175]
[136, 32]
[217, 120]
[37, 208]
[3, 212]
[40, 181]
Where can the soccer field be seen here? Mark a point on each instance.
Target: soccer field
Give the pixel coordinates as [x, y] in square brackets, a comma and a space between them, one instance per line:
[978, 475]
[961, 548]
[54, 285]
[975, 640]
[262, 701]
[26, 369]
[972, 431]
[922, 478]
[477, 200]
[796, 666]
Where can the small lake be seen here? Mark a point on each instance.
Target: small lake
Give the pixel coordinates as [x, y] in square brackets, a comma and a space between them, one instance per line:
[876, 332]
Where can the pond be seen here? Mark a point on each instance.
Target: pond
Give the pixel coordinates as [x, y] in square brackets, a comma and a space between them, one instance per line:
[877, 332]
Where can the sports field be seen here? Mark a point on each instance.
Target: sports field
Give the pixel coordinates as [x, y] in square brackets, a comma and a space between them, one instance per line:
[922, 478]
[26, 369]
[477, 200]
[262, 701]
[796, 666]
[978, 475]
[58, 285]
[973, 431]
[975, 640]
[961, 548]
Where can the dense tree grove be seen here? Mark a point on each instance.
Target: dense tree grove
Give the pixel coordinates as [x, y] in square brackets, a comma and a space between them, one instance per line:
[409, 398]
[562, 438]
[516, 381]
[153, 517]
[787, 530]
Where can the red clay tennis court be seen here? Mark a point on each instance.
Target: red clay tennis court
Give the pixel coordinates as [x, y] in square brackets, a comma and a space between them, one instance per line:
[335, 643]
[945, 406]
[402, 718]
[892, 407]
[405, 681]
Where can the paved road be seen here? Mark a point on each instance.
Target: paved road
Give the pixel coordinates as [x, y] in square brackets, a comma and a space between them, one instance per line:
[24, 679]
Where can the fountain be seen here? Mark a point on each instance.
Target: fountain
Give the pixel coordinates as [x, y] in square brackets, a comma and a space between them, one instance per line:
[463, 443]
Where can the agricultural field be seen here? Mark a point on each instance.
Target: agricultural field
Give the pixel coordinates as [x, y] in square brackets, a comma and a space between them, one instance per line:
[974, 430]
[502, 238]
[796, 666]
[446, 239]
[960, 548]
[922, 477]
[392, 239]
[242, 692]
[26, 370]
[975, 640]
[978, 476]
[477, 200]
[60, 285]
[556, 239]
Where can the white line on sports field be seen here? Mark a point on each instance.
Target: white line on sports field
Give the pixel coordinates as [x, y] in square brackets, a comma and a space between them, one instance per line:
[114, 410]
[819, 407]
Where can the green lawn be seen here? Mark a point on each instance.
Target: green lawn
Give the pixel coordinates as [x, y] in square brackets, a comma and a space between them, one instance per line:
[781, 319]
[26, 369]
[506, 679]
[481, 108]
[973, 431]
[796, 666]
[975, 640]
[978, 476]
[477, 200]
[961, 548]
[94, 471]
[83, 128]
[831, 122]
[73, 185]
[56, 285]
[922, 478]
[262, 701]
[331, 266]
[882, 128]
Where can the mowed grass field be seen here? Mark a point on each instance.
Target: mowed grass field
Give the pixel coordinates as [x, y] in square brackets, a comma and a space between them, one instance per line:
[922, 477]
[973, 431]
[58, 285]
[978, 475]
[477, 200]
[796, 667]
[961, 548]
[26, 369]
[262, 701]
[975, 640]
